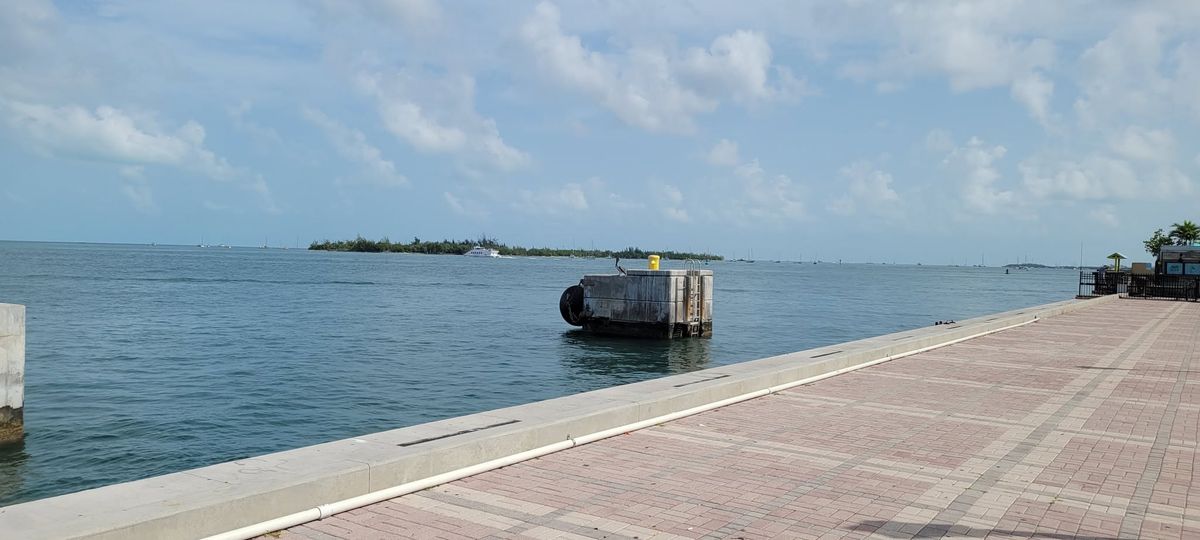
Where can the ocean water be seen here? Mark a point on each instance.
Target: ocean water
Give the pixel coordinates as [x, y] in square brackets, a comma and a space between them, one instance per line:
[146, 360]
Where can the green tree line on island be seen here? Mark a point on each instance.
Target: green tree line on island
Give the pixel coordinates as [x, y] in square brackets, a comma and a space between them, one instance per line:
[459, 247]
[1181, 234]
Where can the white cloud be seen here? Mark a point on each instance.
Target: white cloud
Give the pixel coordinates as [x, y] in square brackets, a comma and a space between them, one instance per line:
[670, 194]
[437, 115]
[131, 140]
[724, 153]
[113, 135]
[412, 12]
[572, 196]
[649, 87]
[568, 200]
[216, 207]
[973, 167]
[23, 26]
[133, 172]
[140, 195]
[238, 114]
[1140, 144]
[939, 140]
[1142, 71]
[603, 198]
[738, 65]
[414, 15]
[963, 41]
[754, 196]
[259, 187]
[1169, 182]
[1105, 214]
[1186, 86]
[408, 121]
[352, 145]
[1034, 92]
[677, 214]
[642, 93]
[454, 202]
[438, 76]
[1096, 177]
[868, 188]
[764, 198]
[976, 45]
[670, 202]
[842, 206]
[1101, 177]
[621, 203]
[1119, 75]
[465, 207]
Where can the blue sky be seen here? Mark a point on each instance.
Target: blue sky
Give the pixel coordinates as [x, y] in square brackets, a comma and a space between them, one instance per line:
[932, 131]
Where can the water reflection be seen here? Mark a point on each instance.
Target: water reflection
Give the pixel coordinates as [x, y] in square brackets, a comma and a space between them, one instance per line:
[589, 355]
[12, 469]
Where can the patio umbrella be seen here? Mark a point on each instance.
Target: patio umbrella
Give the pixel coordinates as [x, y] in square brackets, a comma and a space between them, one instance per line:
[1116, 258]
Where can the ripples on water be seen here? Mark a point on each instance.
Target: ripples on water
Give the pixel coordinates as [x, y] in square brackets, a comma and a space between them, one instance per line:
[147, 360]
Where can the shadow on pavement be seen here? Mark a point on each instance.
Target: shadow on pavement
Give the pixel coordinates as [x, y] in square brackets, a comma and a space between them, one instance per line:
[895, 529]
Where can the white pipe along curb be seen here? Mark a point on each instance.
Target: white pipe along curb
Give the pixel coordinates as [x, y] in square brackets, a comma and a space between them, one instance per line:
[325, 510]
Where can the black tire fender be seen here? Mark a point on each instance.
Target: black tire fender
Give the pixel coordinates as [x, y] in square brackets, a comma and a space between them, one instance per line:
[570, 305]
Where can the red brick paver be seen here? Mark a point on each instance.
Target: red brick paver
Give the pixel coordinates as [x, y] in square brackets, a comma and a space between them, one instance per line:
[1082, 425]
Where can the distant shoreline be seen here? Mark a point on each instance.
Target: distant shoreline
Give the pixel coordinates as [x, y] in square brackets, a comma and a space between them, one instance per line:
[460, 247]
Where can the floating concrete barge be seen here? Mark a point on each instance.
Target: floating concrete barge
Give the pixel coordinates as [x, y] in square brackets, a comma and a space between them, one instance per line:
[254, 496]
[642, 303]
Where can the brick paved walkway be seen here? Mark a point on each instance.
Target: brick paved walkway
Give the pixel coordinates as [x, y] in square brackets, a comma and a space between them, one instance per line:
[1078, 426]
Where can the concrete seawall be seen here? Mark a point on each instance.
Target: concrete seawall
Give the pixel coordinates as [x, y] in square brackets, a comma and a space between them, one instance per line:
[12, 372]
[232, 495]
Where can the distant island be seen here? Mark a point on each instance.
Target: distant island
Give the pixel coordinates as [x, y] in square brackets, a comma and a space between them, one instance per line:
[1035, 265]
[459, 247]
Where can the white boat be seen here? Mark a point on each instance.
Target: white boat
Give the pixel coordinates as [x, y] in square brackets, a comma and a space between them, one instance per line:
[479, 251]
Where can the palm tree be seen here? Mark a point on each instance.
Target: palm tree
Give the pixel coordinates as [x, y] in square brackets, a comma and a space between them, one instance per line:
[1185, 233]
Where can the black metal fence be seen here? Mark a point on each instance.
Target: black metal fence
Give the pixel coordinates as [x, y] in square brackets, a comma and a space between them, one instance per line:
[1097, 283]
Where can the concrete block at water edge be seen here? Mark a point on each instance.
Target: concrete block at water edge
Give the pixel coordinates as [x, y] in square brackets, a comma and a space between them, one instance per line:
[13, 359]
[12, 372]
[12, 320]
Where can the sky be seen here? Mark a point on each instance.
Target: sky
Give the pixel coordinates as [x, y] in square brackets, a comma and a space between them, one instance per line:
[942, 132]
